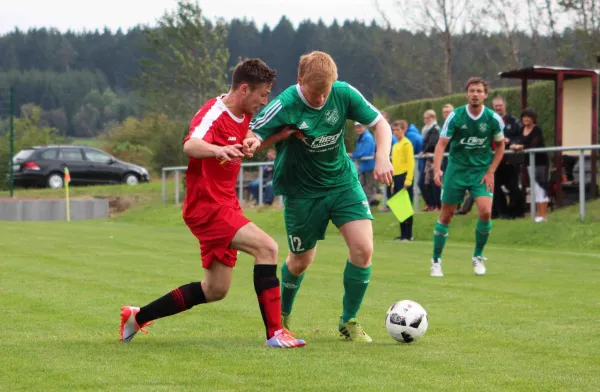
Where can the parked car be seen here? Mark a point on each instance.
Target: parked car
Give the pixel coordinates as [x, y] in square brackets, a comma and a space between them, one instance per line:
[45, 166]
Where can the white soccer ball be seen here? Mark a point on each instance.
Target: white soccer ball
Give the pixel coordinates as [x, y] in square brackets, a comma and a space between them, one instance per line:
[406, 321]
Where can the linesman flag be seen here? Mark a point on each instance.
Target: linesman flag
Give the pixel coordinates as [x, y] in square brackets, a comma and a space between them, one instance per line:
[67, 175]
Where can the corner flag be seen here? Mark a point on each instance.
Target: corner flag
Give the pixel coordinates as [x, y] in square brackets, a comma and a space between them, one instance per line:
[67, 179]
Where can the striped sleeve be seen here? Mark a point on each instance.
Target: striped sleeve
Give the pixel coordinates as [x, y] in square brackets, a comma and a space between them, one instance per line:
[448, 128]
[204, 122]
[362, 110]
[269, 121]
[498, 127]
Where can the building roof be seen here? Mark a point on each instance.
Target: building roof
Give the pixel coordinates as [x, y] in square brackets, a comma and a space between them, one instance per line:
[542, 72]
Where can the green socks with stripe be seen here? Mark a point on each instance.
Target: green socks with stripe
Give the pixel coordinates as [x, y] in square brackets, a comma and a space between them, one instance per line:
[440, 233]
[290, 284]
[356, 281]
[482, 232]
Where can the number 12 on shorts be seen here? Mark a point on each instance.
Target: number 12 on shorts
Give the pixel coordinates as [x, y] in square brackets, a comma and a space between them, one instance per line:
[295, 243]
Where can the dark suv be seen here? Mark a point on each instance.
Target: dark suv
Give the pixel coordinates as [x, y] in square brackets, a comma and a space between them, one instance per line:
[45, 166]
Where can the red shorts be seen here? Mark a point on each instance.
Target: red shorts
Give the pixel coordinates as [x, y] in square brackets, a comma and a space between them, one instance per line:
[215, 235]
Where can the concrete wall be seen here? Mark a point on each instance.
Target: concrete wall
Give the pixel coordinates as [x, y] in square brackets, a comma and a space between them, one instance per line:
[49, 210]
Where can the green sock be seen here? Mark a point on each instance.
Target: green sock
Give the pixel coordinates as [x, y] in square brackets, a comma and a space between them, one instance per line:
[440, 233]
[290, 284]
[482, 232]
[356, 281]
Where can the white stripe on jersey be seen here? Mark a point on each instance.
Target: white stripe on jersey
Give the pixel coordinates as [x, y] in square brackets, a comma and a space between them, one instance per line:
[267, 116]
[499, 136]
[207, 121]
[370, 105]
[445, 127]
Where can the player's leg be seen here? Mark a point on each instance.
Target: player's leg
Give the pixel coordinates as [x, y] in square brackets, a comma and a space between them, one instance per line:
[254, 241]
[350, 212]
[483, 228]
[305, 222]
[453, 192]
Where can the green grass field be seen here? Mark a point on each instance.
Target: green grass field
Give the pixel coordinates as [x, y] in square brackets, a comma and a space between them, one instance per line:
[531, 324]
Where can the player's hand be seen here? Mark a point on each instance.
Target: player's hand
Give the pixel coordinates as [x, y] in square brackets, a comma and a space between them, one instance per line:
[437, 177]
[249, 146]
[383, 170]
[488, 180]
[227, 153]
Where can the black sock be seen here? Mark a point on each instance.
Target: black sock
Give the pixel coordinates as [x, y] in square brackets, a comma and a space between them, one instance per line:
[402, 230]
[266, 285]
[182, 298]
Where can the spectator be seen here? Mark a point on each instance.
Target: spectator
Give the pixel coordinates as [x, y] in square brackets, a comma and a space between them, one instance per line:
[268, 195]
[531, 136]
[365, 147]
[431, 135]
[507, 173]
[403, 161]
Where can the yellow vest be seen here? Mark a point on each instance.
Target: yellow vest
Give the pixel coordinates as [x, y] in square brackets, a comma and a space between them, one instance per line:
[403, 159]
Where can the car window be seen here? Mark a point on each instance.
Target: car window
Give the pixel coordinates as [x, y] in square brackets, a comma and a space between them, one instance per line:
[71, 154]
[24, 154]
[97, 156]
[49, 154]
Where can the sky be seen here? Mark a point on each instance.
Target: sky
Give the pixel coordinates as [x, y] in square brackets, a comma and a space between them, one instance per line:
[90, 15]
[79, 15]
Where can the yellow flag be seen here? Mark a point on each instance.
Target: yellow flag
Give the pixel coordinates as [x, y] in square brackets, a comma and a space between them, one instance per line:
[401, 206]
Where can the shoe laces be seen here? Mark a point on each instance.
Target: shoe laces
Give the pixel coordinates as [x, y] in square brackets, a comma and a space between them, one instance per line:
[359, 329]
[284, 334]
[143, 326]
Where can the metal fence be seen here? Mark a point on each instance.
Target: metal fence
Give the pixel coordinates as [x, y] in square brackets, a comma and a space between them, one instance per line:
[531, 170]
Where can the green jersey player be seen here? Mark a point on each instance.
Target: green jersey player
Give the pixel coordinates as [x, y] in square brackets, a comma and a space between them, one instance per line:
[471, 131]
[319, 181]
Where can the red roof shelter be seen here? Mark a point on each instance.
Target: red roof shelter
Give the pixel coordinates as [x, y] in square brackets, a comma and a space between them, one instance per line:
[576, 110]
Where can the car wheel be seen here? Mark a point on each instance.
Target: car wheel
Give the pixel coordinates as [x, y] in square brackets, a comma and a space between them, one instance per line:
[55, 181]
[131, 179]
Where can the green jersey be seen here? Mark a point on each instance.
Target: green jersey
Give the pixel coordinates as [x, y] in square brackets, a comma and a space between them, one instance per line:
[315, 163]
[471, 137]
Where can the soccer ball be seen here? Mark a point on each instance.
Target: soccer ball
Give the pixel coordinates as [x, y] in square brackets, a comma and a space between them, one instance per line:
[406, 321]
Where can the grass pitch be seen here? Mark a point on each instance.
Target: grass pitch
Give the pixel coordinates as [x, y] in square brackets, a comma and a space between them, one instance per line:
[531, 324]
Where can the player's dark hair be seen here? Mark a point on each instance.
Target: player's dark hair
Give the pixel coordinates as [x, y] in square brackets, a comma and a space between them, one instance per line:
[477, 80]
[252, 72]
[531, 113]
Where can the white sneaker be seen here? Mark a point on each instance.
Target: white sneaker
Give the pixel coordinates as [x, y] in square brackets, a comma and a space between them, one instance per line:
[436, 269]
[539, 219]
[478, 265]
[129, 327]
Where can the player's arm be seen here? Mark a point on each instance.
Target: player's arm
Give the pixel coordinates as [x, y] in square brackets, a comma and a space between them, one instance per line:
[440, 148]
[361, 110]
[410, 155]
[199, 148]
[250, 144]
[498, 132]
[275, 138]
[269, 125]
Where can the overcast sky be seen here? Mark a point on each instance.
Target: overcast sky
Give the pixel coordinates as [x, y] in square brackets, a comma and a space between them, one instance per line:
[85, 14]
[94, 14]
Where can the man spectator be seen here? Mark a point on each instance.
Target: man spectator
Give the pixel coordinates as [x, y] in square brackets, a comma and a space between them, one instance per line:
[431, 135]
[365, 147]
[267, 180]
[507, 174]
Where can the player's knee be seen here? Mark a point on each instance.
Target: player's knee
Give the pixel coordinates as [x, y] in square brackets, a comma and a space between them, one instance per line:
[361, 254]
[215, 293]
[298, 263]
[485, 215]
[268, 251]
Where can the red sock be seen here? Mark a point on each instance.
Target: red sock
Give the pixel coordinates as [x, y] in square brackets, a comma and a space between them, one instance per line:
[267, 289]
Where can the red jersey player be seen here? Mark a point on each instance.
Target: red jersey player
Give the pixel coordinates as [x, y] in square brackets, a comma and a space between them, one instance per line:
[217, 141]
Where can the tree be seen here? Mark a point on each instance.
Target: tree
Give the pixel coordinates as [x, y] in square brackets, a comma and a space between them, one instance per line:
[586, 15]
[186, 62]
[443, 20]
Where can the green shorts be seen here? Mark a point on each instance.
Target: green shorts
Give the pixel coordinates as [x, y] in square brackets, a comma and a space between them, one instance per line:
[459, 179]
[306, 219]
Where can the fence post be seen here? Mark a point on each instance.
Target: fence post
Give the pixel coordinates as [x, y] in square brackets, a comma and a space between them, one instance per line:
[416, 190]
[176, 187]
[164, 185]
[582, 185]
[532, 206]
[260, 185]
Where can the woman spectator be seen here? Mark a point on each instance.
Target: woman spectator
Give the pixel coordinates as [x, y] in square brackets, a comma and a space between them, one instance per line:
[531, 136]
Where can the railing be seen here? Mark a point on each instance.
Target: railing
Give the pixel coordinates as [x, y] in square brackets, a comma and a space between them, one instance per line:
[531, 169]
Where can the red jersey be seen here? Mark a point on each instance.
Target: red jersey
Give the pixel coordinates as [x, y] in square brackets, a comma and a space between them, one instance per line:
[212, 183]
